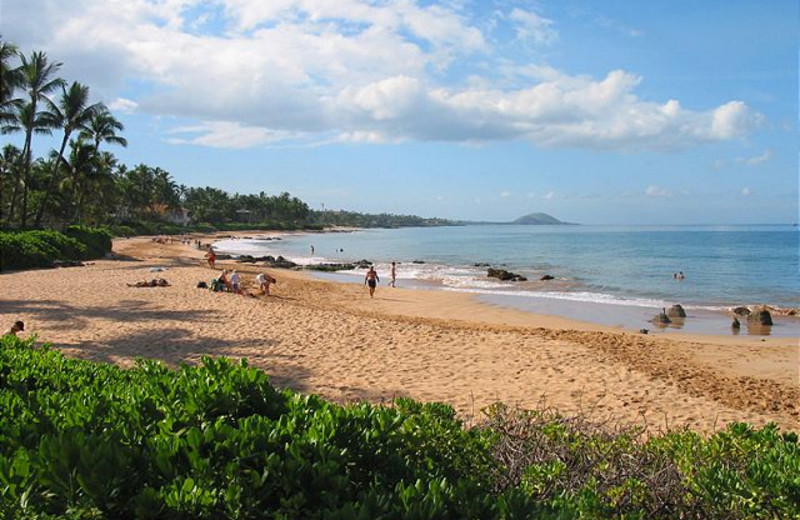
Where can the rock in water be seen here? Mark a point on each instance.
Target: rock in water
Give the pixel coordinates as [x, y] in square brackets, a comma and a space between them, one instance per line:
[741, 311]
[736, 324]
[676, 311]
[760, 316]
[662, 318]
[547, 277]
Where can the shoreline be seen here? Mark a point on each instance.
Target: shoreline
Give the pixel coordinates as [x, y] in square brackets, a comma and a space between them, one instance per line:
[617, 313]
[330, 339]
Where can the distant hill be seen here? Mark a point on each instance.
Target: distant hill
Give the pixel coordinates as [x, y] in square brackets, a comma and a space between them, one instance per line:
[540, 219]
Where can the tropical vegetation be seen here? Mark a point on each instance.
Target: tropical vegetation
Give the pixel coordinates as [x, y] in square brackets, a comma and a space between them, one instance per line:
[85, 440]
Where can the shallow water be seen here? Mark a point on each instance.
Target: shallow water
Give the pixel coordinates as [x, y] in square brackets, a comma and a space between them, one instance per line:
[608, 275]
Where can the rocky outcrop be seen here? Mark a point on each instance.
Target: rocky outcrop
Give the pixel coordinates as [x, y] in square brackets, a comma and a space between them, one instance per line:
[279, 263]
[760, 316]
[741, 311]
[676, 311]
[506, 276]
[330, 267]
[547, 277]
[662, 318]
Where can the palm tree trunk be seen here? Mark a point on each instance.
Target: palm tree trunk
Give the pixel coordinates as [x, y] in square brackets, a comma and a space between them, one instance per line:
[51, 182]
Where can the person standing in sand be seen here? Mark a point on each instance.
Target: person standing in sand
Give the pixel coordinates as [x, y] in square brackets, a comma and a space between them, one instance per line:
[211, 256]
[235, 282]
[371, 279]
[393, 274]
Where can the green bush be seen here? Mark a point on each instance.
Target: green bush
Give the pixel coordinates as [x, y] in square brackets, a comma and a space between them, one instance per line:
[89, 440]
[96, 240]
[26, 249]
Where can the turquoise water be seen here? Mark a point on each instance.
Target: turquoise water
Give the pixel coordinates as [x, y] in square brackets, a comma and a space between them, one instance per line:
[594, 266]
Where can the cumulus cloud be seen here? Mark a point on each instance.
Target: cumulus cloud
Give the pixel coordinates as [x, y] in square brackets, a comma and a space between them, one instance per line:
[360, 70]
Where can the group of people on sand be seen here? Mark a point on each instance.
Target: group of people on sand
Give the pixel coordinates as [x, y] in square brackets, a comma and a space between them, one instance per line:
[231, 281]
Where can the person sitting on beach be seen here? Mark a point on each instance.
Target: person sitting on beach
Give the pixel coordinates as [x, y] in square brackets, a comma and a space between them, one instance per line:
[264, 280]
[18, 326]
[235, 280]
[371, 279]
[211, 256]
[223, 279]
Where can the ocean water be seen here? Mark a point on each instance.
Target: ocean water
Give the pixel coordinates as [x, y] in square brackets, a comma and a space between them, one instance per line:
[610, 275]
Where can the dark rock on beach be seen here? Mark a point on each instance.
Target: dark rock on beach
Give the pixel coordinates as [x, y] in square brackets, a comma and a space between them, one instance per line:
[547, 277]
[481, 264]
[676, 311]
[67, 263]
[330, 267]
[418, 261]
[760, 316]
[741, 311]
[363, 264]
[280, 263]
[662, 318]
[506, 276]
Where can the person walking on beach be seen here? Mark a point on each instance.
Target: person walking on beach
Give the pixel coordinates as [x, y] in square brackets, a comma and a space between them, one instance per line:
[393, 274]
[211, 256]
[371, 279]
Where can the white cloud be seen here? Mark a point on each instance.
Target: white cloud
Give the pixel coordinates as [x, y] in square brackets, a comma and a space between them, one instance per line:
[759, 159]
[550, 195]
[222, 134]
[361, 70]
[746, 192]
[532, 27]
[126, 106]
[657, 191]
[505, 193]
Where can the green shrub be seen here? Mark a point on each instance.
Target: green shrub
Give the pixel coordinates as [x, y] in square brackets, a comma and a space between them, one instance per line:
[96, 240]
[26, 249]
[90, 440]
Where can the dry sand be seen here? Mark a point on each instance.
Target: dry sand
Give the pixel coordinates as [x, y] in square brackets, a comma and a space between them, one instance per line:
[331, 339]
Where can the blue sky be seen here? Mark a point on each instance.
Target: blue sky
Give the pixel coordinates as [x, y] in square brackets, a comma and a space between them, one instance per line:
[614, 112]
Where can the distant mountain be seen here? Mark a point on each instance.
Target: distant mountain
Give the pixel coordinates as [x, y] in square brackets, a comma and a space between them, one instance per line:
[540, 219]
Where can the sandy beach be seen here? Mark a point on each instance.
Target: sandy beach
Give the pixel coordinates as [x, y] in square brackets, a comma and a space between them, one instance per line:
[332, 339]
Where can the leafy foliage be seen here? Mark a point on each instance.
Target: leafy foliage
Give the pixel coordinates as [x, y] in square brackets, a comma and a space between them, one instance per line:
[90, 440]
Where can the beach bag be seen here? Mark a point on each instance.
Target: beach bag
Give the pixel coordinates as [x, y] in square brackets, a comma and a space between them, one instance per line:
[202, 285]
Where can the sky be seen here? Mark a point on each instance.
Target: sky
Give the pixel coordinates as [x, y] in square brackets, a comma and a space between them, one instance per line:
[613, 112]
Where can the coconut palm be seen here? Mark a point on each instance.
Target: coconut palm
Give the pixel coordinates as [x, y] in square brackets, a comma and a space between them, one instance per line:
[103, 127]
[38, 80]
[72, 114]
[9, 162]
[10, 81]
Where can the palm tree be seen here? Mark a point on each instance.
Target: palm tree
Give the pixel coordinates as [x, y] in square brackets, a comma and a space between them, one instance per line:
[10, 80]
[38, 81]
[103, 127]
[72, 114]
[9, 161]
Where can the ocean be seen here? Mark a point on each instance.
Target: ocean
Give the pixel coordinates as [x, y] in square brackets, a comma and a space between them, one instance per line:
[607, 275]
